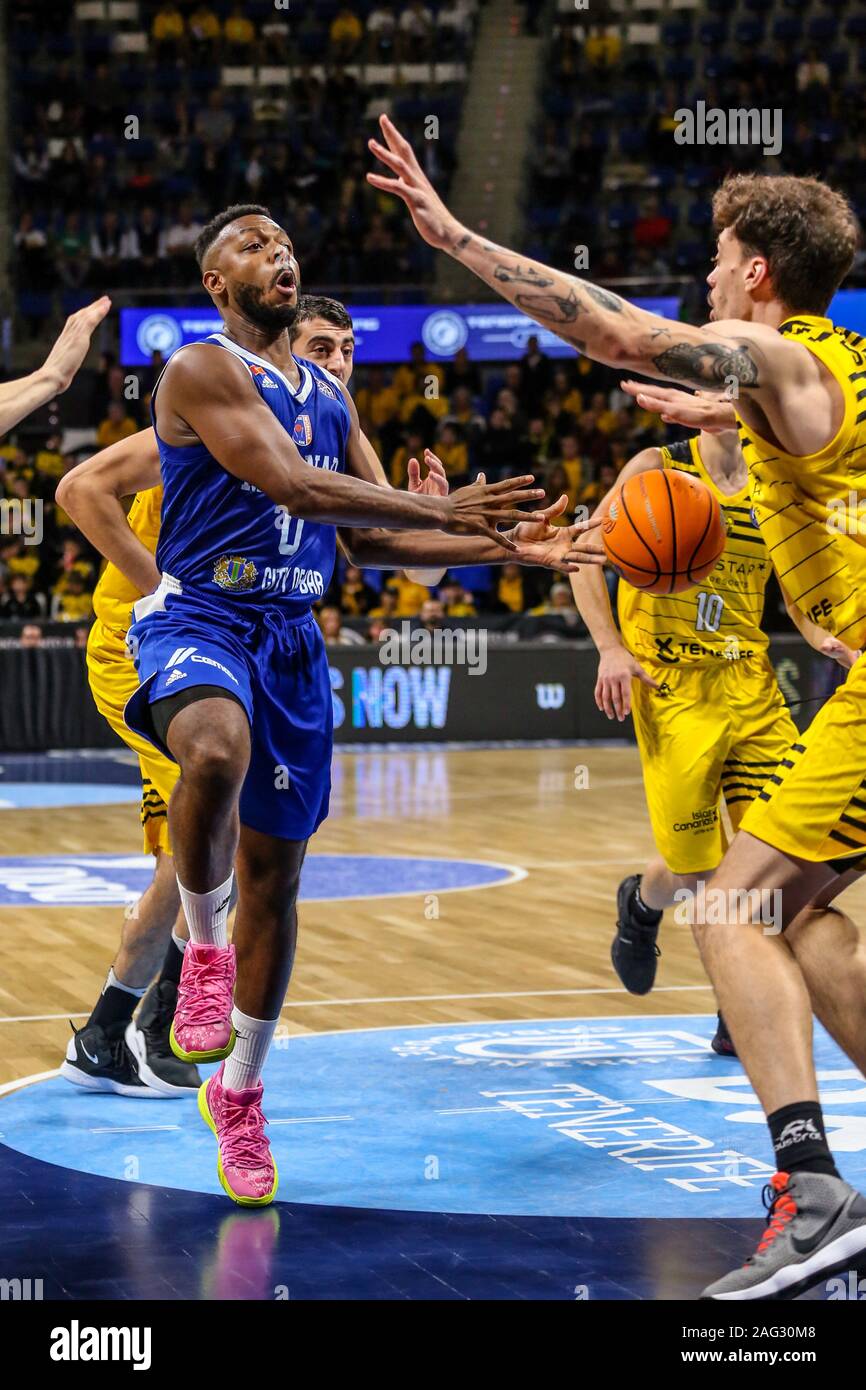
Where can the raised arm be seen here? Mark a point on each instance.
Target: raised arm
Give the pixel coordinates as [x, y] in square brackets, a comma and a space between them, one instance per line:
[20, 398]
[206, 394]
[91, 495]
[789, 387]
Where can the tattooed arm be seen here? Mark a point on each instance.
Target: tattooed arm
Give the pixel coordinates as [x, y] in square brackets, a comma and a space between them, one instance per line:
[773, 376]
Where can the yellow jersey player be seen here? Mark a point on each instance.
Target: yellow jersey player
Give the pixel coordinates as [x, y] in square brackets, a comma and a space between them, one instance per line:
[710, 721]
[784, 245]
[115, 1051]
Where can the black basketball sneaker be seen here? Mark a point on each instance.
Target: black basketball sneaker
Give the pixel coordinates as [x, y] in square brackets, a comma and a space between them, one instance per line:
[634, 951]
[723, 1043]
[147, 1038]
[99, 1059]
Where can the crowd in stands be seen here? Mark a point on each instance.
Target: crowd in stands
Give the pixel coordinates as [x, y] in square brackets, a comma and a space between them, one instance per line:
[608, 171]
[119, 156]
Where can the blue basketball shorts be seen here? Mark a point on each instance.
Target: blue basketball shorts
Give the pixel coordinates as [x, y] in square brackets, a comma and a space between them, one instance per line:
[275, 665]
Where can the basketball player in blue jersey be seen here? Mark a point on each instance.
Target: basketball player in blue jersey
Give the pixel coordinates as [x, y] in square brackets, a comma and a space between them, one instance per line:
[261, 462]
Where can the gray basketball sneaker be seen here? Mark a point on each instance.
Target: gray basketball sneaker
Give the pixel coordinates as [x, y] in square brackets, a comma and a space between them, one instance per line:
[817, 1226]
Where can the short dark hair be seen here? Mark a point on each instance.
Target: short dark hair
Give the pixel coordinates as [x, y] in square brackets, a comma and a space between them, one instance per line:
[805, 229]
[208, 235]
[319, 306]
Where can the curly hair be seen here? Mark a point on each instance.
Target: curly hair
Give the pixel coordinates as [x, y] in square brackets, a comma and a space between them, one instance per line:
[807, 232]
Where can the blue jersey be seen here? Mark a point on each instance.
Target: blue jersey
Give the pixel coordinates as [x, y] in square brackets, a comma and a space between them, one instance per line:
[223, 539]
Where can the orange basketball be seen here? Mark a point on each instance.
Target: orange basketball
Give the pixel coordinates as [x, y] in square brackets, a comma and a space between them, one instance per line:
[664, 531]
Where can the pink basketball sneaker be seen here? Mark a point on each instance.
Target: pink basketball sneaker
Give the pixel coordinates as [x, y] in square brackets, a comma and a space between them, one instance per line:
[202, 1029]
[245, 1163]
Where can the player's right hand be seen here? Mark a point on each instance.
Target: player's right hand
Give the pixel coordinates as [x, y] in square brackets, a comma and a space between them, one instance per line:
[477, 509]
[617, 669]
[698, 410]
[71, 347]
[435, 223]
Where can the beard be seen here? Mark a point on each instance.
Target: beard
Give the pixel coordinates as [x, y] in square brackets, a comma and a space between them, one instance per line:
[271, 317]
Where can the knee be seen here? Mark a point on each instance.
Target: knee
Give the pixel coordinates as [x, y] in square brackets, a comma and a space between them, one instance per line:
[213, 763]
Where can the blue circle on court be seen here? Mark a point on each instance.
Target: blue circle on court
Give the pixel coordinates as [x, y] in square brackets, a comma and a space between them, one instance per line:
[616, 1117]
[105, 880]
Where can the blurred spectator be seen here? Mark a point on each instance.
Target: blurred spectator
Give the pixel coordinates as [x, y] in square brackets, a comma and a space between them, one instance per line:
[381, 27]
[346, 33]
[560, 604]
[168, 29]
[452, 450]
[409, 595]
[356, 597]
[204, 27]
[74, 602]
[456, 602]
[386, 608]
[535, 375]
[105, 251]
[213, 123]
[431, 614]
[461, 372]
[72, 258]
[416, 31]
[21, 602]
[240, 34]
[117, 425]
[31, 635]
[179, 242]
[812, 72]
[334, 633]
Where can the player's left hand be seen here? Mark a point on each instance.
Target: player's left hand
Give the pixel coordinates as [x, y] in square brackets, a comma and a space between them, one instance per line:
[837, 651]
[553, 547]
[436, 483]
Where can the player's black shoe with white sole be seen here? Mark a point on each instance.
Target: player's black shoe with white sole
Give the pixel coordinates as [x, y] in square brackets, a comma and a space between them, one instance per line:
[99, 1060]
[634, 952]
[147, 1038]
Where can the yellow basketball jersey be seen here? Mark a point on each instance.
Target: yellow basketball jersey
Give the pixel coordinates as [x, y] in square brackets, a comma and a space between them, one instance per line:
[719, 618]
[114, 594]
[812, 510]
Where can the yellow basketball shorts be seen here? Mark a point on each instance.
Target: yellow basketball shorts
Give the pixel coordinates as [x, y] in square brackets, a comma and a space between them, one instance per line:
[709, 732]
[814, 806]
[112, 677]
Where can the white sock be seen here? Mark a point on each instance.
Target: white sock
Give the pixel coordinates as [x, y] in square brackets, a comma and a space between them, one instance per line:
[207, 913]
[112, 982]
[244, 1064]
[180, 941]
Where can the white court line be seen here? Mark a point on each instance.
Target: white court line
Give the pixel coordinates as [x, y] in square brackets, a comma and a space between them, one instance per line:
[129, 1129]
[501, 994]
[411, 999]
[310, 1119]
[8, 1086]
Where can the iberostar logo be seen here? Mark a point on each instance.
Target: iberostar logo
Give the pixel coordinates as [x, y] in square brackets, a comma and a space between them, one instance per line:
[235, 572]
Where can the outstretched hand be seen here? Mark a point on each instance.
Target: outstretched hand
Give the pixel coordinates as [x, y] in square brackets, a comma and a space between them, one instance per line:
[70, 350]
[560, 548]
[698, 410]
[436, 224]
